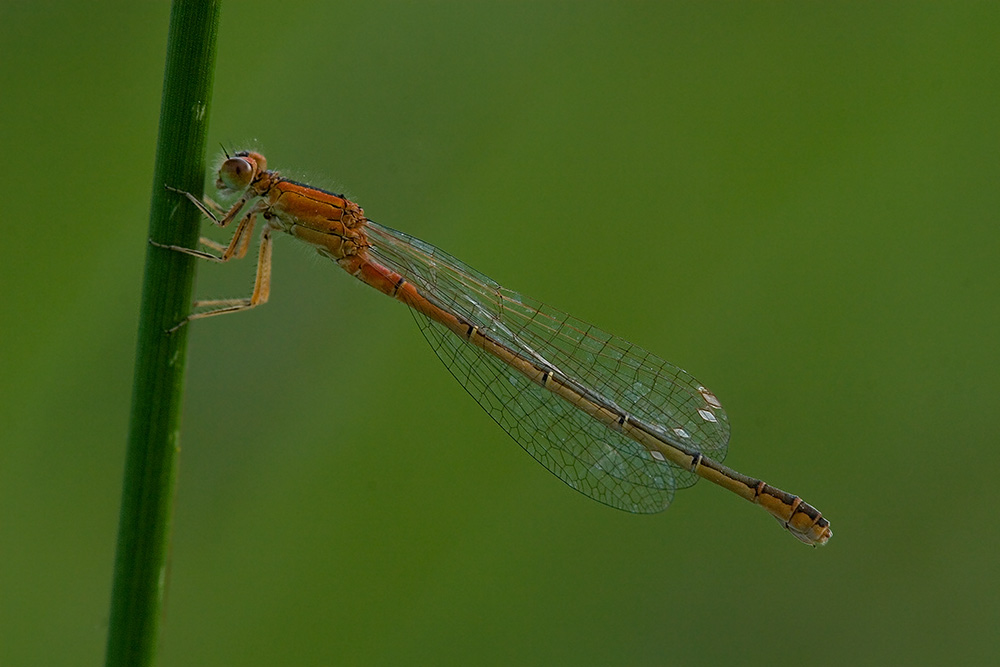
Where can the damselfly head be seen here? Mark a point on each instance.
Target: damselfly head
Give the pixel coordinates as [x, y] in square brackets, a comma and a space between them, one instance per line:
[238, 172]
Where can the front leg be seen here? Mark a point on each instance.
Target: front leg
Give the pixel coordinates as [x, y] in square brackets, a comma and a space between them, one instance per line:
[237, 248]
[208, 206]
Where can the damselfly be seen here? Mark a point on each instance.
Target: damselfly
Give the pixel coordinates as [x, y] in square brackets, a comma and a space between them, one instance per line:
[611, 420]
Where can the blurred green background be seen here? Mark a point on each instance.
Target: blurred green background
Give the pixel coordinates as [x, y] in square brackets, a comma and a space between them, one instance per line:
[797, 202]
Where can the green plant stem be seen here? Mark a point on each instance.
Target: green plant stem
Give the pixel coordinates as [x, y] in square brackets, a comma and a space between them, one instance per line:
[151, 456]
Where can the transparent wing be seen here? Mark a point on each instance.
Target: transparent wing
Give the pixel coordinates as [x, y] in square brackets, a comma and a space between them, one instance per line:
[583, 452]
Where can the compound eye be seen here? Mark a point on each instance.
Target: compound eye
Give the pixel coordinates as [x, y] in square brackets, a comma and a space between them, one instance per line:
[236, 173]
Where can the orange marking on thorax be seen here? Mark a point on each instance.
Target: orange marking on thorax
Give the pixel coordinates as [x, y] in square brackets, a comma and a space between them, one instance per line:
[330, 222]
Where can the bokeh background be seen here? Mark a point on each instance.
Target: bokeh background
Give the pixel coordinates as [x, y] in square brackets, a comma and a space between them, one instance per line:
[798, 202]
